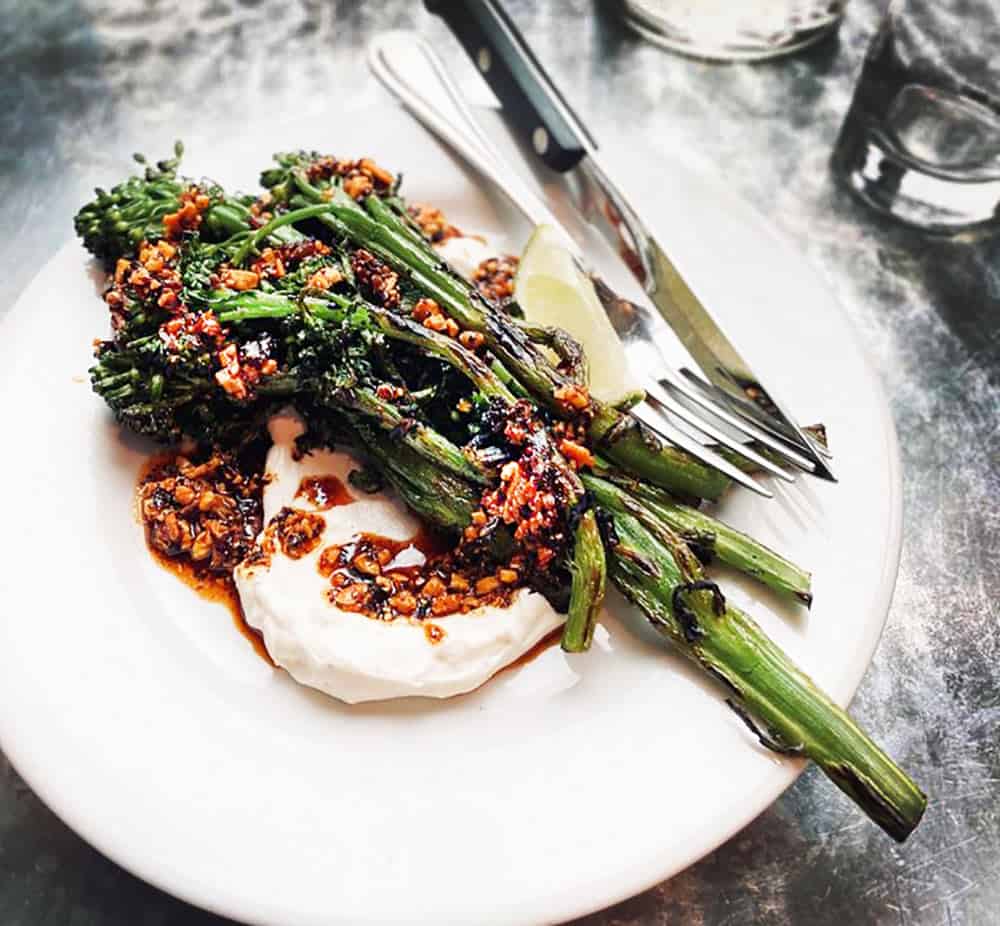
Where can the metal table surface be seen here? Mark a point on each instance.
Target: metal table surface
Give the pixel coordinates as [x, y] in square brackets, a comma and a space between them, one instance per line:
[85, 82]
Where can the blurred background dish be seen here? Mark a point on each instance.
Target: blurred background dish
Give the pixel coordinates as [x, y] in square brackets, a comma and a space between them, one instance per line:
[733, 30]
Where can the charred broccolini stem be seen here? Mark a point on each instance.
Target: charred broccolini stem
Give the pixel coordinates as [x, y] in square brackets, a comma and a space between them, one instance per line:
[419, 437]
[782, 705]
[588, 570]
[626, 442]
[438, 496]
[485, 379]
[709, 537]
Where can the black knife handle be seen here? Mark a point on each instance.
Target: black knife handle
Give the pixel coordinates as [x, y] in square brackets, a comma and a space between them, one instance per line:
[530, 100]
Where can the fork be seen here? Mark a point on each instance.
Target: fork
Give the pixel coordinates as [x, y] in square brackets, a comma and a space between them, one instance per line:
[668, 393]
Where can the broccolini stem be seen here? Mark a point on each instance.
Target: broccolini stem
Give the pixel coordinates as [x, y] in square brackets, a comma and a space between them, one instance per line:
[279, 221]
[588, 569]
[444, 348]
[780, 703]
[416, 435]
[626, 442]
[253, 305]
[710, 537]
[444, 499]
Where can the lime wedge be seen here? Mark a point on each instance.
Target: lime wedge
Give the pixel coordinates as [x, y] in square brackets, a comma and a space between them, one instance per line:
[552, 291]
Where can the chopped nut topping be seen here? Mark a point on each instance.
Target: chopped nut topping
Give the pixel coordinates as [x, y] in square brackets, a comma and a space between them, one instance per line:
[446, 604]
[577, 454]
[243, 366]
[193, 203]
[379, 174]
[403, 602]
[433, 223]
[439, 586]
[299, 532]
[434, 587]
[325, 278]
[425, 308]
[536, 489]
[239, 280]
[329, 561]
[360, 178]
[573, 396]
[487, 584]
[367, 564]
[358, 186]
[149, 282]
[274, 263]
[471, 340]
[377, 281]
[494, 278]
[352, 597]
[196, 330]
[209, 512]
[269, 265]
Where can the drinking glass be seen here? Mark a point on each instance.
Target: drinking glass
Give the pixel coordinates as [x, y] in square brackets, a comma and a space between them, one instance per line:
[921, 141]
[733, 30]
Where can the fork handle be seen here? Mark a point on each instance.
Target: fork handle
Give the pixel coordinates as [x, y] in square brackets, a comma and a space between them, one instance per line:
[531, 102]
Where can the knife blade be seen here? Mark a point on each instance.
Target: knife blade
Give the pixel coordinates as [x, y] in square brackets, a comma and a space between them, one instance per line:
[608, 210]
[542, 117]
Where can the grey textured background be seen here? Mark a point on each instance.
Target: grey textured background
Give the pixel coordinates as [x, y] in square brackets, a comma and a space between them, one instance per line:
[85, 82]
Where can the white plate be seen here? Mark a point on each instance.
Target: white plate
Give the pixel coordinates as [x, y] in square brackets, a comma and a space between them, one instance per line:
[143, 718]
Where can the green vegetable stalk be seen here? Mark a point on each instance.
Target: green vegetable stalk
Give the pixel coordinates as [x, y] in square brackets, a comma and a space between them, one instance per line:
[780, 703]
[588, 570]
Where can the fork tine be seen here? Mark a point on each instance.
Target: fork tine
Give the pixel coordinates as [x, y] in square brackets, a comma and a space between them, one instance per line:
[705, 397]
[760, 428]
[670, 433]
[660, 396]
[623, 314]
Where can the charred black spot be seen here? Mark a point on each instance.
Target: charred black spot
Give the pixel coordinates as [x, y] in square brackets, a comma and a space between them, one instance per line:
[495, 416]
[864, 793]
[491, 456]
[606, 525]
[723, 679]
[617, 431]
[162, 498]
[577, 511]
[403, 428]
[685, 616]
[702, 545]
[638, 560]
[767, 738]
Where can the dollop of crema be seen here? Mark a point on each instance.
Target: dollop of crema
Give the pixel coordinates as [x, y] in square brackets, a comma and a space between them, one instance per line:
[352, 656]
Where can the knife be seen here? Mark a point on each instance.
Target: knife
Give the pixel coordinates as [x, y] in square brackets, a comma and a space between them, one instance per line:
[542, 117]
